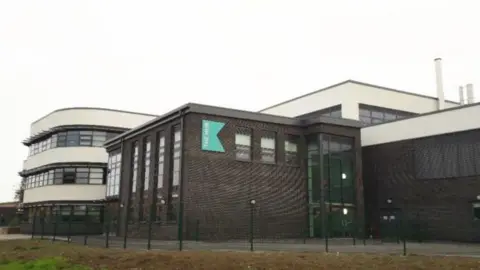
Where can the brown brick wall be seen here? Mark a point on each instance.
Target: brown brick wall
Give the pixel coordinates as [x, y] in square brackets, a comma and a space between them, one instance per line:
[219, 187]
[439, 209]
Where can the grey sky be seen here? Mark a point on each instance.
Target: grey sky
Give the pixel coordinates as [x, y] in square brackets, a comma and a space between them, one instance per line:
[236, 53]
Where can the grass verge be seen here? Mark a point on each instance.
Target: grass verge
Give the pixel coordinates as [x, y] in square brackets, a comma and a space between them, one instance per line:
[72, 255]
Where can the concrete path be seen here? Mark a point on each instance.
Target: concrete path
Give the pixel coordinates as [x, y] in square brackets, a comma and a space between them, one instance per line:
[5, 237]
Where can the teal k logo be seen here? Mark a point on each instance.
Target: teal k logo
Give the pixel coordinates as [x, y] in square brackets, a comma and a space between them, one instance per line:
[210, 140]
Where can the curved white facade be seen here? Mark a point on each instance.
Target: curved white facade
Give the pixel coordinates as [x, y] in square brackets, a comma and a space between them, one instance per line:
[75, 154]
[64, 193]
[66, 154]
[89, 116]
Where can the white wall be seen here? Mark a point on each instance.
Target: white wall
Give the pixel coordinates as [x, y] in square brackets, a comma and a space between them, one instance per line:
[66, 154]
[456, 120]
[71, 192]
[101, 117]
[350, 95]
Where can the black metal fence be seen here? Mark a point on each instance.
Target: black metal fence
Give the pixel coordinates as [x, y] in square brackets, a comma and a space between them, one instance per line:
[395, 237]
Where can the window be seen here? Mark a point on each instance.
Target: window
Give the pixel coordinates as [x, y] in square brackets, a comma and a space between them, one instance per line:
[161, 159]
[134, 167]
[334, 111]
[267, 145]
[176, 157]
[72, 138]
[243, 142]
[146, 163]
[375, 115]
[476, 211]
[113, 179]
[82, 176]
[61, 176]
[291, 150]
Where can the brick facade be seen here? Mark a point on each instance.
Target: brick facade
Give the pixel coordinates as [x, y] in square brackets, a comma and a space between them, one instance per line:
[437, 208]
[217, 188]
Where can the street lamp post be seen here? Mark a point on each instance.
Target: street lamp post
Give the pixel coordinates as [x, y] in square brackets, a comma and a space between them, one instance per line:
[252, 206]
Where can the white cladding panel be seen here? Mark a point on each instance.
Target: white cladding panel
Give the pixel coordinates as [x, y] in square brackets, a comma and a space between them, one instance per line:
[72, 192]
[66, 154]
[89, 116]
[350, 95]
[457, 120]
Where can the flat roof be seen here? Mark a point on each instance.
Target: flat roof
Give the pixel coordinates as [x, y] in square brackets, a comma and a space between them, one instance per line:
[91, 108]
[355, 82]
[231, 113]
[447, 121]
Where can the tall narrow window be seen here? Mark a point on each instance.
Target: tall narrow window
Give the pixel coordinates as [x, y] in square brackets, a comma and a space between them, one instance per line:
[243, 142]
[134, 167]
[267, 145]
[161, 160]
[291, 150]
[176, 158]
[175, 184]
[146, 163]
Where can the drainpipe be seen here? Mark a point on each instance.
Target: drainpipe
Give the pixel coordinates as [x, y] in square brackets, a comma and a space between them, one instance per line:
[182, 180]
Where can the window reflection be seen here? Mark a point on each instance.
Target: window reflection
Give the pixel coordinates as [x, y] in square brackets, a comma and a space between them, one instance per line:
[61, 176]
[72, 138]
[369, 115]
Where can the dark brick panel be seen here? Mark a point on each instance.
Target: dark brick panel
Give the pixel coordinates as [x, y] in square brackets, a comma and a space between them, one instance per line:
[219, 188]
[440, 208]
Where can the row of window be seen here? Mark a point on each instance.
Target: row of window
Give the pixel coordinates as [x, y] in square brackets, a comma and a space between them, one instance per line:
[334, 111]
[375, 115]
[268, 145]
[114, 161]
[61, 176]
[72, 138]
[64, 213]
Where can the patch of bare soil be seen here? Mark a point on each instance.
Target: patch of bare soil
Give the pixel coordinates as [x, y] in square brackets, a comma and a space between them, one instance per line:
[99, 258]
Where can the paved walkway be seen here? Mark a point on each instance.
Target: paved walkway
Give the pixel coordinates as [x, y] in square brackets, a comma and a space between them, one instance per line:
[335, 245]
[4, 237]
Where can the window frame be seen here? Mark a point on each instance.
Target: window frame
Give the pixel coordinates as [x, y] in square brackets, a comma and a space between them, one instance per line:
[243, 149]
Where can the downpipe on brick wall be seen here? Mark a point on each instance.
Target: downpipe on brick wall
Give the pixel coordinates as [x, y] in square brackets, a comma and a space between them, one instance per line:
[182, 163]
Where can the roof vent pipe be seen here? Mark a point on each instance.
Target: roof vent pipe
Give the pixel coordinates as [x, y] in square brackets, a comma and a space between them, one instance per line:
[461, 95]
[439, 80]
[470, 96]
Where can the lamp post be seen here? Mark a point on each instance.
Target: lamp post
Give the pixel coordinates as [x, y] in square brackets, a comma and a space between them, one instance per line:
[252, 206]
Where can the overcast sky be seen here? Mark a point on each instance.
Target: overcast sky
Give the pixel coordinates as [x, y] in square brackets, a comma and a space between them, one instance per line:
[235, 53]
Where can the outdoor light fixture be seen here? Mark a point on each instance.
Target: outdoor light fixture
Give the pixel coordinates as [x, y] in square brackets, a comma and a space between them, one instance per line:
[252, 202]
[344, 176]
[389, 201]
[345, 211]
[162, 201]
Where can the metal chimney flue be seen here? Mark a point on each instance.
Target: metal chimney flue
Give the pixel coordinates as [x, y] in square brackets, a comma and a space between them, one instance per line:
[461, 95]
[439, 80]
[470, 95]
